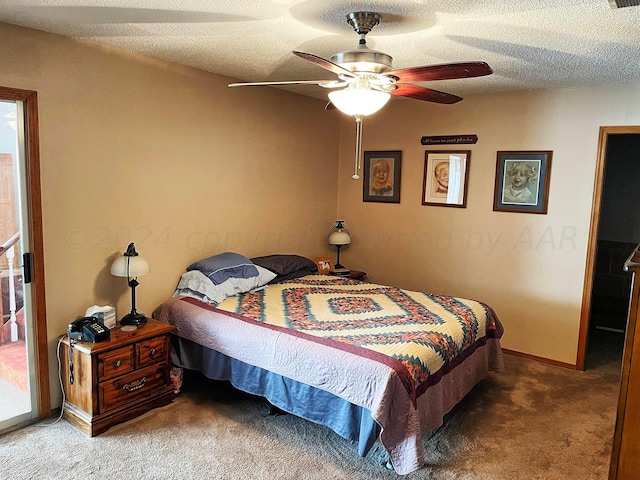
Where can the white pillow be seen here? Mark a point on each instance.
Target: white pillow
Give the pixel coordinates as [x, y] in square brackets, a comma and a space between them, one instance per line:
[197, 285]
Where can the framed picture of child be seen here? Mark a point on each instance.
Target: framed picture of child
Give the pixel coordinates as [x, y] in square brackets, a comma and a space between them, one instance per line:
[382, 176]
[446, 178]
[522, 181]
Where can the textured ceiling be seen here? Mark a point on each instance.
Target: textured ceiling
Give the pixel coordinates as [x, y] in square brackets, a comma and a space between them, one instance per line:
[530, 44]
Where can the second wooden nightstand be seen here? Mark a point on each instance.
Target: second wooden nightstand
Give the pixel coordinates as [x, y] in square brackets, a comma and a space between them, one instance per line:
[357, 275]
[117, 379]
[353, 275]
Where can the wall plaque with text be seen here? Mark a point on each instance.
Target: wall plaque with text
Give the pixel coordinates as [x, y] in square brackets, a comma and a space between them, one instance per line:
[449, 139]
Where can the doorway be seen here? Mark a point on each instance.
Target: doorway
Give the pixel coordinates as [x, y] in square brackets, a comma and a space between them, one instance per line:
[24, 384]
[615, 232]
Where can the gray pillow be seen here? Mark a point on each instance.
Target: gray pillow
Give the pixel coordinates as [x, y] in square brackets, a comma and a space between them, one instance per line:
[287, 267]
[225, 265]
[195, 284]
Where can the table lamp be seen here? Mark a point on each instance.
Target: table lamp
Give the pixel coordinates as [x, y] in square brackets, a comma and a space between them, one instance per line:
[339, 236]
[132, 266]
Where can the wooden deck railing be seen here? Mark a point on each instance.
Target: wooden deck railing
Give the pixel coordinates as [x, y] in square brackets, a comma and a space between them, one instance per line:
[8, 249]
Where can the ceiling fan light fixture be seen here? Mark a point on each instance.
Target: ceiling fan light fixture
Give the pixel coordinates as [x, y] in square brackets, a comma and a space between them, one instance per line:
[359, 101]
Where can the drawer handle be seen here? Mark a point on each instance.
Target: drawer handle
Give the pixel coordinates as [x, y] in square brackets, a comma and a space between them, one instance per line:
[133, 386]
[152, 352]
[117, 363]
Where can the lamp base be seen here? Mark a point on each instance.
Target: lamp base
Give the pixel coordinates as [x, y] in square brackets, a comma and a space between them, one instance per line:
[133, 318]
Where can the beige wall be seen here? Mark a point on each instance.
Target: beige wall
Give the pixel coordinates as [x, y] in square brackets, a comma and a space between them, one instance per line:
[529, 268]
[135, 149]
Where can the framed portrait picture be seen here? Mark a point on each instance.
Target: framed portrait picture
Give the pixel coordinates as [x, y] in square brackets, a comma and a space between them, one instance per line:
[382, 176]
[446, 177]
[325, 264]
[522, 181]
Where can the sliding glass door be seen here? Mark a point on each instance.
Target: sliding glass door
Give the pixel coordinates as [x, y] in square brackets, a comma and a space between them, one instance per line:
[18, 386]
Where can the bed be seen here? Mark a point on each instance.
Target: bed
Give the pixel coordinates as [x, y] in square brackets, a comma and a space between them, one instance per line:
[371, 362]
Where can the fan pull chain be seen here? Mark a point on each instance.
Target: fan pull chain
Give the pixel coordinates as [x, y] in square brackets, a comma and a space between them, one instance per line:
[355, 175]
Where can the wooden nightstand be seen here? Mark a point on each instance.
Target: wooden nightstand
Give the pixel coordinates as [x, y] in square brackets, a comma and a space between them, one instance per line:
[357, 275]
[117, 379]
[353, 274]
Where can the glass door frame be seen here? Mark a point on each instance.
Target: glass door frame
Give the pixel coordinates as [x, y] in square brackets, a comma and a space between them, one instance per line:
[32, 244]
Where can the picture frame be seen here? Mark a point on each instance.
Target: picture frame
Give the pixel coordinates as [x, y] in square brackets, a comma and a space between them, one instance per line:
[325, 264]
[522, 181]
[381, 181]
[446, 178]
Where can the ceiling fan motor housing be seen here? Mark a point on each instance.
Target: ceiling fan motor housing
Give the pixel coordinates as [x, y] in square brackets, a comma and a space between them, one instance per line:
[362, 58]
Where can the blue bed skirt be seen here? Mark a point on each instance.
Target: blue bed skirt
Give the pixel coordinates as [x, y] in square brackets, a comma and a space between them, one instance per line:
[350, 421]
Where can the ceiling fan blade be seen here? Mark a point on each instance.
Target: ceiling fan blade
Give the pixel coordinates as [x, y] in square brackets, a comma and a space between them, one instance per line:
[446, 71]
[322, 83]
[326, 64]
[427, 94]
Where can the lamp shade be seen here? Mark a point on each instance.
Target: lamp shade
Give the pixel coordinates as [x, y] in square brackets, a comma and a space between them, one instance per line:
[339, 234]
[130, 264]
[359, 101]
[339, 238]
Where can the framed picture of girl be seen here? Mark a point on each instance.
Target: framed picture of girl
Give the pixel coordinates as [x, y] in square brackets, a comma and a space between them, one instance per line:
[522, 181]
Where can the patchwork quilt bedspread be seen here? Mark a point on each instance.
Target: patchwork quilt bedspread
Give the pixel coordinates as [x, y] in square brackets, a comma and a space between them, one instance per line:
[375, 346]
[416, 333]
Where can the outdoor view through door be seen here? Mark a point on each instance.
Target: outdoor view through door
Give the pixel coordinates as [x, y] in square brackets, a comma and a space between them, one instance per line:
[15, 390]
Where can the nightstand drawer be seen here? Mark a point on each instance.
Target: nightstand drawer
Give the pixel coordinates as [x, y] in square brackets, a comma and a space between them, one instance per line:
[131, 387]
[115, 362]
[151, 351]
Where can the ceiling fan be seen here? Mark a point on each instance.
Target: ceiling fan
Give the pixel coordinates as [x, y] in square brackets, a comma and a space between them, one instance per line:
[369, 79]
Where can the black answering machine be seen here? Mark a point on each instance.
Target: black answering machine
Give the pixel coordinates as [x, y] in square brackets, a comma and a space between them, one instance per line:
[88, 329]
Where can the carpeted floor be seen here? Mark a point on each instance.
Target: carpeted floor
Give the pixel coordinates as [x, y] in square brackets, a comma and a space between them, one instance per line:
[13, 401]
[535, 421]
